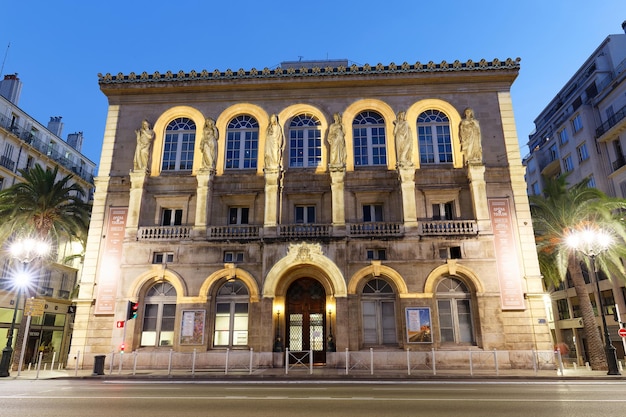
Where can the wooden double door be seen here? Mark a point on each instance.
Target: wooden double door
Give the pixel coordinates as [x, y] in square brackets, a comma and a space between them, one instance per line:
[306, 320]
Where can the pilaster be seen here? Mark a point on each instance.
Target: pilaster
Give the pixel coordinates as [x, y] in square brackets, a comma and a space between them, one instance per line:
[476, 175]
[406, 175]
[137, 181]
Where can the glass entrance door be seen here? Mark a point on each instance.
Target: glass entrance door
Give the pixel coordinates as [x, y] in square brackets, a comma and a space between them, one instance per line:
[306, 303]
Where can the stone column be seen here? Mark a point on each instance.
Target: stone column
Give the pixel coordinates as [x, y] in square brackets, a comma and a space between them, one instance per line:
[203, 201]
[338, 199]
[407, 185]
[476, 175]
[137, 181]
[272, 178]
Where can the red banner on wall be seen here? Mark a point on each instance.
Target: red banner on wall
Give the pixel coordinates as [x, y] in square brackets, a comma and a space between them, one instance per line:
[109, 271]
[507, 259]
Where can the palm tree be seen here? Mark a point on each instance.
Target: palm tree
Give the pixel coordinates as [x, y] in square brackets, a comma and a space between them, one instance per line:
[44, 207]
[556, 214]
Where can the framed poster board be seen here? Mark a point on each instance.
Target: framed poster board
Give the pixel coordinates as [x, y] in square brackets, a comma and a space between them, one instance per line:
[418, 329]
[192, 327]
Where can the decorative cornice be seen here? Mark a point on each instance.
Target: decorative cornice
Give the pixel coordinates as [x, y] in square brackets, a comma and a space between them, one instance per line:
[341, 70]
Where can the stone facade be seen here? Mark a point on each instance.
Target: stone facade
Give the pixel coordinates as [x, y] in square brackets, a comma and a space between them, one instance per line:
[309, 254]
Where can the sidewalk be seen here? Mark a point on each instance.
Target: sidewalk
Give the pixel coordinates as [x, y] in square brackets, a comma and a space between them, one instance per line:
[319, 373]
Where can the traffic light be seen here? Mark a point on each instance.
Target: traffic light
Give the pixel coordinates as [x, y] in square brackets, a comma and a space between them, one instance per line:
[122, 348]
[131, 311]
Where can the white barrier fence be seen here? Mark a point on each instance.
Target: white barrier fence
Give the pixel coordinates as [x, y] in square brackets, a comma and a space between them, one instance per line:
[349, 362]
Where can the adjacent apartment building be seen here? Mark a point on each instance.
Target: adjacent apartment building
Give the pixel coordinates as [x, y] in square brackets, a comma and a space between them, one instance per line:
[582, 132]
[314, 207]
[25, 142]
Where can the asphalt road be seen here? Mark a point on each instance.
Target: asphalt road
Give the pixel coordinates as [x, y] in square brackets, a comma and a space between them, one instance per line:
[136, 398]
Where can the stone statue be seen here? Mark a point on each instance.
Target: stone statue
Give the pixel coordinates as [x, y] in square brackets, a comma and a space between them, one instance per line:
[337, 142]
[404, 141]
[469, 131]
[274, 143]
[145, 136]
[208, 144]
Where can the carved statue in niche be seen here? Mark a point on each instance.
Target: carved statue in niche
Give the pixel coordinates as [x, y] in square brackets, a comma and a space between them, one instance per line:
[337, 142]
[145, 136]
[274, 142]
[404, 141]
[469, 131]
[208, 144]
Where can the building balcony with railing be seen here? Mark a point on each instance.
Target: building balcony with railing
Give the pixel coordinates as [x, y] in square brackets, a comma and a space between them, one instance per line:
[427, 227]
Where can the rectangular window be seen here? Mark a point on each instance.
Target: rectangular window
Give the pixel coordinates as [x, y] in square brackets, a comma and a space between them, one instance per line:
[563, 309]
[238, 215]
[377, 254]
[592, 182]
[443, 211]
[568, 165]
[452, 252]
[162, 257]
[583, 154]
[172, 217]
[305, 214]
[577, 123]
[553, 152]
[233, 257]
[373, 213]
[563, 139]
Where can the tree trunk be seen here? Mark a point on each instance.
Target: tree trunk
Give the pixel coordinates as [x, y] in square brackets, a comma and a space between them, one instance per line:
[595, 347]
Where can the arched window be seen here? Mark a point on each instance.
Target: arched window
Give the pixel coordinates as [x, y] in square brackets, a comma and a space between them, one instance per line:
[180, 138]
[242, 143]
[305, 142]
[455, 312]
[370, 147]
[231, 314]
[433, 130]
[379, 313]
[159, 315]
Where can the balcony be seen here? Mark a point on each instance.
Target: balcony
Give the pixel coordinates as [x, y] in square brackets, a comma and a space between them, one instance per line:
[447, 227]
[612, 121]
[234, 232]
[310, 230]
[8, 163]
[619, 162]
[376, 229]
[162, 233]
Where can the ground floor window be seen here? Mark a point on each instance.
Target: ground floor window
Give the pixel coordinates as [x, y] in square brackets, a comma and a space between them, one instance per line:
[455, 312]
[159, 315]
[231, 314]
[378, 312]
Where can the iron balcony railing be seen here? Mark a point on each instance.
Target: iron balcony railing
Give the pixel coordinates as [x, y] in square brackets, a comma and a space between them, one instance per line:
[612, 121]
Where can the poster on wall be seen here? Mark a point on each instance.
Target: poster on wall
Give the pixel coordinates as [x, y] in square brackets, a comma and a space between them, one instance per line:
[109, 269]
[192, 328]
[418, 329]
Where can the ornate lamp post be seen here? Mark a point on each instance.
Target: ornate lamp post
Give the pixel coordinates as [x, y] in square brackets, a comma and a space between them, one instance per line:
[591, 243]
[24, 251]
[278, 342]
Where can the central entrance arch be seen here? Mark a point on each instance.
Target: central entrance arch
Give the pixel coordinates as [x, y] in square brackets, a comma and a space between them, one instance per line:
[306, 319]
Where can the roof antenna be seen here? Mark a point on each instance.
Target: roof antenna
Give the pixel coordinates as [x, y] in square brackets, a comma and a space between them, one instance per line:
[300, 58]
[5, 58]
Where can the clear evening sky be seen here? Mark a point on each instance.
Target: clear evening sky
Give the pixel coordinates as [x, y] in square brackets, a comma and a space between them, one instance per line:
[57, 48]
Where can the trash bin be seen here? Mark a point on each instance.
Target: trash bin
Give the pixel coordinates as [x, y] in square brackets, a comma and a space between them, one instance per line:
[98, 365]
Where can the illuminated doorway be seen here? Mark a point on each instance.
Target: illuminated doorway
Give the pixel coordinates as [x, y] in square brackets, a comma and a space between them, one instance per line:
[305, 308]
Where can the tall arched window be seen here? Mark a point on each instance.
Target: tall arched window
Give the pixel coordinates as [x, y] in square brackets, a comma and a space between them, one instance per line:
[455, 312]
[178, 147]
[159, 315]
[305, 142]
[433, 130]
[379, 313]
[231, 314]
[242, 143]
[370, 147]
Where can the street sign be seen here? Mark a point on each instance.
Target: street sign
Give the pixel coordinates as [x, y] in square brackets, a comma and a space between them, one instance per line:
[622, 332]
[34, 307]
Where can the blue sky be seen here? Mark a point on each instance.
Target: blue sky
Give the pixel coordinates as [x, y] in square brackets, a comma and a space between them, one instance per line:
[58, 48]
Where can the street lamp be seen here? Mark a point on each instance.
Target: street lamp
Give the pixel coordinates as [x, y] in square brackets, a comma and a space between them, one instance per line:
[278, 342]
[24, 251]
[592, 242]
